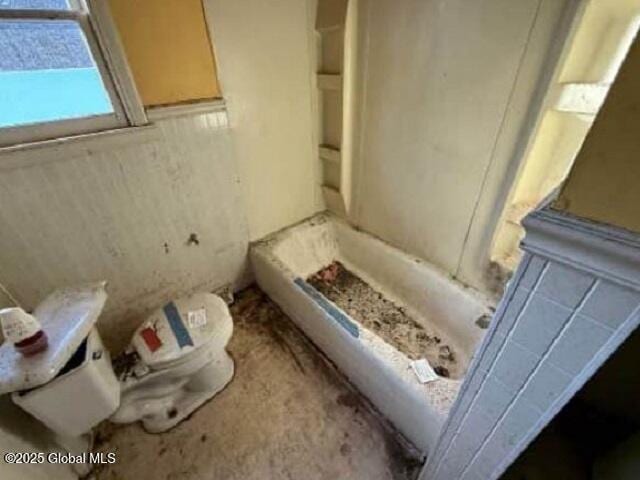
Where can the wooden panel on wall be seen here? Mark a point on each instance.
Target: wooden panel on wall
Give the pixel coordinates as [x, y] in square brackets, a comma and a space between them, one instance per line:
[603, 184]
[168, 48]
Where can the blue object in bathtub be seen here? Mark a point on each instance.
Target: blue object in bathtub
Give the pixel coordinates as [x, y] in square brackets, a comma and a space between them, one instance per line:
[335, 313]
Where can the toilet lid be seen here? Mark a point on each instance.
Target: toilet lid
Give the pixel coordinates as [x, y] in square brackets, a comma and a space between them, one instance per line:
[181, 327]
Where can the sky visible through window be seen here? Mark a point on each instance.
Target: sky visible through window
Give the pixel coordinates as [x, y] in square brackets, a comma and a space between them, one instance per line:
[35, 4]
[47, 72]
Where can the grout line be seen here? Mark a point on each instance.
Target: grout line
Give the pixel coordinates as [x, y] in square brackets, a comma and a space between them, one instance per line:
[477, 357]
[536, 369]
[598, 360]
[474, 368]
[495, 359]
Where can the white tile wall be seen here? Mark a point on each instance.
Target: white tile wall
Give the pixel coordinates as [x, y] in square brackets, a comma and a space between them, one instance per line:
[578, 344]
[490, 354]
[558, 322]
[611, 304]
[513, 310]
[539, 324]
[532, 272]
[520, 417]
[564, 284]
[546, 385]
[514, 365]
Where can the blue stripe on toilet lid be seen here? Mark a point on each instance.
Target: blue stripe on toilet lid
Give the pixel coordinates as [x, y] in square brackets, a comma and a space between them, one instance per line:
[177, 326]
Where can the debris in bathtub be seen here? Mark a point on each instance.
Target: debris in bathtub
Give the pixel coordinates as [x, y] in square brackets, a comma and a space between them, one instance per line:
[442, 371]
[483, 321]
[445, 353]
[423, 371]
[330, 273]
[392, 323]
[335, 313]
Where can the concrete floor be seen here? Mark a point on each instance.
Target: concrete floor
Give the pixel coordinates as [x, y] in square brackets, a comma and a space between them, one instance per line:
[286, 415]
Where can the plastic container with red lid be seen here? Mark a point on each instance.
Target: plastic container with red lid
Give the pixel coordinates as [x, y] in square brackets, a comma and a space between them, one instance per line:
[23, 330]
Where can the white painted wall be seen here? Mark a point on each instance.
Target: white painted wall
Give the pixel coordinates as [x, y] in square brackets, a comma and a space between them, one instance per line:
[122, 208]
[602, 33]
[5, 298]
[263, 50]
[446, 88]
[106, 208]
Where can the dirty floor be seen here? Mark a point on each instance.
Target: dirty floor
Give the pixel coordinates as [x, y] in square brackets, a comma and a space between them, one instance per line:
[285, 415]
[387, 320]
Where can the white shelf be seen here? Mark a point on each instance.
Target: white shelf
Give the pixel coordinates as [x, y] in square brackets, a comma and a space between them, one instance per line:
[580, 98]
[329, 81]
[333, 199]
[330, 154]
[330, 28]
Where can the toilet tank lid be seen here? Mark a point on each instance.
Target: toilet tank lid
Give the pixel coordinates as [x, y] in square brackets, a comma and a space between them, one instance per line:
[67, 316]
[181, 327]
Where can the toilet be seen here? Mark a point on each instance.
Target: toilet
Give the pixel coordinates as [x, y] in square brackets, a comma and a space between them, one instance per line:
[175, 362]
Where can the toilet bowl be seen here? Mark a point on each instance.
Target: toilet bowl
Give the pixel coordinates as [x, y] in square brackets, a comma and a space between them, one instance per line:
[176, 361]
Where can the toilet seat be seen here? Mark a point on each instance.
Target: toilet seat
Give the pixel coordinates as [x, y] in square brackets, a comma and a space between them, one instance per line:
[178, 331]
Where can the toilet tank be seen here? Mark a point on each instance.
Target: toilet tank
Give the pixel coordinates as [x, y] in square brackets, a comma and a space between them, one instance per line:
[85, 392]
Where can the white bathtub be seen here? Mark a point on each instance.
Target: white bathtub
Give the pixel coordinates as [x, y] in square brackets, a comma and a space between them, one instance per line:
[284, 260]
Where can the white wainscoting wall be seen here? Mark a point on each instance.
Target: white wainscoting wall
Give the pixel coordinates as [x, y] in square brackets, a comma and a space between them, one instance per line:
[123, 207]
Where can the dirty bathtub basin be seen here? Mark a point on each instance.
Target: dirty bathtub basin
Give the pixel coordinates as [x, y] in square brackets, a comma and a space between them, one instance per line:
[283, 261]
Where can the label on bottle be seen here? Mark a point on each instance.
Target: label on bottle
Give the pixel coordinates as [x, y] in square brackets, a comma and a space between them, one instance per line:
[18, 325]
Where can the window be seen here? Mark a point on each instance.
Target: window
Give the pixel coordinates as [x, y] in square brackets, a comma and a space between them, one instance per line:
[53, 79]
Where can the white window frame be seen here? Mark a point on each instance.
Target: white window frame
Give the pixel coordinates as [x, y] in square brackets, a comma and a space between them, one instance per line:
[94, 19]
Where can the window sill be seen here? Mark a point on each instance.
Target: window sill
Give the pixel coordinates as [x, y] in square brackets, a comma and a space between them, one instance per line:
[44, 151]
[35, 153]
[186, 109]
